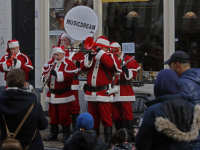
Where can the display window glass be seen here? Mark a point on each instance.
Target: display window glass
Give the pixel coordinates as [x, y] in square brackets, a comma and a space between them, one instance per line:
[187, 29]
[138, 27]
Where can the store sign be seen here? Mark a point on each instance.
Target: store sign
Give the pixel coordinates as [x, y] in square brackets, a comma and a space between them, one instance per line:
[81, 22]
[125, 1]
[128, 47]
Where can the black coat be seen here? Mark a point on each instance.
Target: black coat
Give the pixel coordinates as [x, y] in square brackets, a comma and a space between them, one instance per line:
[14, 105]
[87, 140]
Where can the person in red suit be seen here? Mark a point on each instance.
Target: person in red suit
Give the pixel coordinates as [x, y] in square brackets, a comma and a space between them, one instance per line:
[19, 60]
[59, 95]
[121, 106]
[101, 67]
[77, 57]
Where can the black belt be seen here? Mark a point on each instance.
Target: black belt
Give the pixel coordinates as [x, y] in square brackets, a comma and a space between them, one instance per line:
[75, 78]
[95, 89]
[60, 91]
[123, 82]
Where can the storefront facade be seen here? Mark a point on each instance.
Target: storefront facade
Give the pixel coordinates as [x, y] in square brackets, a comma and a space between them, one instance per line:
[155, 28]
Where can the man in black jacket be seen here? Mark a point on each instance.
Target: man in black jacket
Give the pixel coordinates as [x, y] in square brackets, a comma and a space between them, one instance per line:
[14, 104]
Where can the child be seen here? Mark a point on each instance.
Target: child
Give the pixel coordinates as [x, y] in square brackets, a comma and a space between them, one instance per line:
[86, 138]
[123, 139]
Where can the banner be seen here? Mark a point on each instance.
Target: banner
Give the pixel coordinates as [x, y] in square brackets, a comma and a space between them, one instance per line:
[81, 22]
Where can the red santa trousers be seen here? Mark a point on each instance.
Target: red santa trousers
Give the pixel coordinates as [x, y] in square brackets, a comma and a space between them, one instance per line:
[60, 114]
[122, 109]
[101, 110]
[75, 104]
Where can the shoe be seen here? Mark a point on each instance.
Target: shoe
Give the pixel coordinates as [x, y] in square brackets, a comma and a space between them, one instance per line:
[107, 135]
[53, 133]
[66, 132]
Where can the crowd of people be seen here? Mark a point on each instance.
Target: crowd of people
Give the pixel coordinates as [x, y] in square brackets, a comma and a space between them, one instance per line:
[171, 121]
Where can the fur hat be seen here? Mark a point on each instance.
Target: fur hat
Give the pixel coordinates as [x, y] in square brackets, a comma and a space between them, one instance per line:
[103, 40]
[114, 44]
[58, 49]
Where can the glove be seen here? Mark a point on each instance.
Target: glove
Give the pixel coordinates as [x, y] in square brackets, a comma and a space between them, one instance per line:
[90, 56]
[53, 73]
[98, 49]
[78, 64]
[125, 69]
[9, 56]
[15, 61]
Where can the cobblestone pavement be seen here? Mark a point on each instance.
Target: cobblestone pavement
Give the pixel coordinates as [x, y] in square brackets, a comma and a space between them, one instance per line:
[57, 145]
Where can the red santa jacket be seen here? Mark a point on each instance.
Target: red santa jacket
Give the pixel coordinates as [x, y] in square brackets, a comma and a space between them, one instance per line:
[96, 76]
[23, 62]
[66, 70]
[126, 92]
[74, 56]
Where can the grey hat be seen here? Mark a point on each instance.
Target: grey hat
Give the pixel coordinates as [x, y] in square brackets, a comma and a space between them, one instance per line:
[178, 56]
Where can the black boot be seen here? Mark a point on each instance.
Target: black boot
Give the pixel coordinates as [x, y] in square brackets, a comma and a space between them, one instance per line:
[128, 124]
[74, 118]
[53, 133]
[119, 125]
[66, 132]
[107, 135]
[97, 131]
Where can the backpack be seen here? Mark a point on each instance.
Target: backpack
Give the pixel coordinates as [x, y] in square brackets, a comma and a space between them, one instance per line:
[11, 143]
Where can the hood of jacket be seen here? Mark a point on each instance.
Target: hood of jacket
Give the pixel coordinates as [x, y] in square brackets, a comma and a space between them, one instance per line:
[14, 102]
[167, 82]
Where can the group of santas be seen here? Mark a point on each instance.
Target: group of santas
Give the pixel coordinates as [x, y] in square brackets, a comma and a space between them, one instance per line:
[101, 68]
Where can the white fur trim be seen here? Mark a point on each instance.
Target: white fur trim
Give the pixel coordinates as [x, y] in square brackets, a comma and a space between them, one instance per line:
[18, 64]
[60, 76]
[99, 54]
[135, 69]
[124, 98]
[57, 50]
[95, 98]
[115, 44]
[75, 87]
[5, 67]
[65, 35]
[94, 74]
[13, 44]
[103, 42]
[46, 65]
[130, 75]
[46, 69]
[119, 70]
[87, 63]
[60, 100]
[27, 60]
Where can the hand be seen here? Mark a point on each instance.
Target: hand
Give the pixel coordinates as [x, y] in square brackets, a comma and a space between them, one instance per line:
[53, 73]
[125, 69]
[9, 56]
[78, 64]
[15, 61]
[91, 55]
[98, 49]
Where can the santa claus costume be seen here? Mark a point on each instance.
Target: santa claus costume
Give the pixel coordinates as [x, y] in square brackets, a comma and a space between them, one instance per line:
[121, 106]
[101, 67]
[19, 60]
[59, 95]
[77, 57]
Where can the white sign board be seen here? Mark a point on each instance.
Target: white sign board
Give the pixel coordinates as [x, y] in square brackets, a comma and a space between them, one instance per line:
[81, 22]
[128, 47]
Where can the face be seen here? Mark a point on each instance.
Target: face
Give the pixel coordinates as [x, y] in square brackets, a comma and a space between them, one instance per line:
[14, 50]
[65, 41]
[58, 56]
[119, 52]
[175, 66]
[103, 48]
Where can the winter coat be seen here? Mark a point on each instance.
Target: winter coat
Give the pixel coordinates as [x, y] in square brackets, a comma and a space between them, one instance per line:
[169, 122]
[87, 140]
[14, 104]
[190, 88]
[124, 146]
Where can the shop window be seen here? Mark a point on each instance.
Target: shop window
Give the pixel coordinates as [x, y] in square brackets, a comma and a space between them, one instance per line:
[187, 29]
[139, 23]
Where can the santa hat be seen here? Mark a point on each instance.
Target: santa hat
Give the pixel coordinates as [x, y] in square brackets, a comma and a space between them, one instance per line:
[58, 49]
[63, 35]
[114, 44]
[11, 44]
[102, 40]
